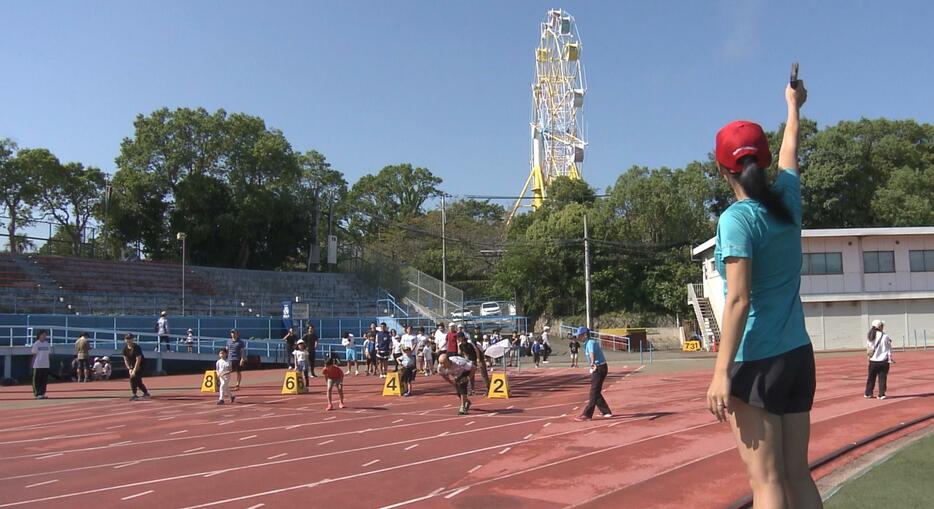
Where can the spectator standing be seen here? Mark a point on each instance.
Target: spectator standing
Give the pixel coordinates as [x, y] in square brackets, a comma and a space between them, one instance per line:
[369, 353]
[408, 339]
[190, 340]
[879, 351]
[383, 349]
[162, 330]
[350, 353]
[441, 338]
[311, 344]
[524, 344]
[290, 339]
[300, 360]
[236, 349]
[396, 349]
[450, 341]
[222, 367]
[135, 364]
[107, 368]
[598, 371]
[82, 351]
[573, 347]
[537, 352]
[41, 352]
[428, 355]
[546, 345]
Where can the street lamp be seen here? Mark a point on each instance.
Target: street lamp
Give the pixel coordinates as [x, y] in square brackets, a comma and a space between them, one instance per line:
[181, 236]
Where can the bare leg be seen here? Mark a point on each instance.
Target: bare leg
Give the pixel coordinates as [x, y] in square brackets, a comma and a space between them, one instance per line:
[759, 441]
[800, 490]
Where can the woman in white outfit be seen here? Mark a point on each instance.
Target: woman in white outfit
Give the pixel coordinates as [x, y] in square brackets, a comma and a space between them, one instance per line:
[879, 350]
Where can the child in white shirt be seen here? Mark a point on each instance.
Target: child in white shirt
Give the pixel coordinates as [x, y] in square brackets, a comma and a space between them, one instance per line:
[98, 369]
[107, 368]
[222, 368]
[429, 358]
[301, 360]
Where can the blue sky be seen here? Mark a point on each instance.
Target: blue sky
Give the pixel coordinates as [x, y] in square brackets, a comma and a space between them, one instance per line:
[446, 85]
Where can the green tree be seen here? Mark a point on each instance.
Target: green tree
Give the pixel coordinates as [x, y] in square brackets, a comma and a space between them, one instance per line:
[19, 176]
[396, 192]
[324, 189]
[69, 195]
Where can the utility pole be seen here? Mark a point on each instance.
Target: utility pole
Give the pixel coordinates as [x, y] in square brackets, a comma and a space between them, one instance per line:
[587, 270]
[181, 236]
[444, 264]
[314, 257]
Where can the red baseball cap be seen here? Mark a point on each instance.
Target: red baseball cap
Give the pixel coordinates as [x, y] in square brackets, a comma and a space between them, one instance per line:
[739, 139]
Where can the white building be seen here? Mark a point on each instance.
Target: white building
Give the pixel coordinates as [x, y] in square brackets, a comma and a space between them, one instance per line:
[849, 277]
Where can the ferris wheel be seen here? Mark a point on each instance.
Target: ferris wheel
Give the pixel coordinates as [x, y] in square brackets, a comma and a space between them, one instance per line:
[557, 107]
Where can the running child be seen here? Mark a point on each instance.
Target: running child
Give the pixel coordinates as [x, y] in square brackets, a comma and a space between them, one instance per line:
[223, 369]
[459, 368]
[300, 358]
[407, 361]
[335, 377]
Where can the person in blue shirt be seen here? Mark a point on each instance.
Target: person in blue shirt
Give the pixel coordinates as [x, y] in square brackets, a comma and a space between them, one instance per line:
[598, 371]
[764, 378]
[236, 349]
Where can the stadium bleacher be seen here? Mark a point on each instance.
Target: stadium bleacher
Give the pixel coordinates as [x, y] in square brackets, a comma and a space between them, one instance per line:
[55, 284]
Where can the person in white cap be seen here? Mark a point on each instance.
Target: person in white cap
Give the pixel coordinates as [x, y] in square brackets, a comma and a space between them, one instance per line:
[879, 351]
[300, 356]
[546, 346]
[107, 369]
[350, 352]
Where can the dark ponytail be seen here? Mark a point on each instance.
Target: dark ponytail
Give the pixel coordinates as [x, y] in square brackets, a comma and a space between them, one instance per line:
[754, 183]
[872, 334]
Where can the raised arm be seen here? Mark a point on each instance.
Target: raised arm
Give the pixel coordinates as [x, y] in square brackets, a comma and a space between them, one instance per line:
[795, 98]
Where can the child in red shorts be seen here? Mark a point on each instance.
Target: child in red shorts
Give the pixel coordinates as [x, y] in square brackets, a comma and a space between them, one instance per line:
[334, 376]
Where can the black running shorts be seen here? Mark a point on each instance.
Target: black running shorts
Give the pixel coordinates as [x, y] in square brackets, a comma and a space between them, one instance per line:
[783, 384]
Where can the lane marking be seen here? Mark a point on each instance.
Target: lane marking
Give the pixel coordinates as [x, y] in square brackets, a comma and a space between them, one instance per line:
[325, 442]
[50, 456]
[128, 464]
[546, 425]
[249, 437]
[456, 492]
[469, 423]
[117, 426]
[121, 443]
[137, 495]
[474, 469]
[292, 426]
[397, 420]
[56, 437]
[504, 451]
[527, 436]
[166, 418]
[413, 446]
[277, 456]
[179, 432]
[41, 483]
[370, 463]
[196, 449]
[224, 423]
[257, 506]
[331, 418]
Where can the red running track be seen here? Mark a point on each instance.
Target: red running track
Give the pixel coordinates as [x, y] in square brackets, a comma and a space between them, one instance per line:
[661, 449]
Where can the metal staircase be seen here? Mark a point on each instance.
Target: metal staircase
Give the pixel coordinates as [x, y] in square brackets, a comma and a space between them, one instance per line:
[706, 318]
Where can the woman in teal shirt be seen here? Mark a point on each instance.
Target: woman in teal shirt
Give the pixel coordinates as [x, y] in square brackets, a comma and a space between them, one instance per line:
[764, 380]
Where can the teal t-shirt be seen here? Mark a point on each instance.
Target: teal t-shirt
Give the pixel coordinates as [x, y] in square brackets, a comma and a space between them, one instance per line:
[592, 346]
[775, 323]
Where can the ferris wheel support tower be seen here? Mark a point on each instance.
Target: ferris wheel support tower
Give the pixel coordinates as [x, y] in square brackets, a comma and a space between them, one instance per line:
[557, 109]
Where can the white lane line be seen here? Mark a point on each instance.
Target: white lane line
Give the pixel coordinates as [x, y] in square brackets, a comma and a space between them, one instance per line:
[179, 432]
[397, 420]
[117, 426]
[325, 442]
[329, 418]
[510, 407]
[446, 433]
[249, 437]
[121, 443]
[546, 425]
[257, 506]
[268, 415]
[47, 456]
[166, 418]
[137, 495]
[224, 423]
[456, 492]
[504, 451]
[292, 426]
[474, 469]
[413, 446]
[41, 483]
[54, 437]
[277, 456]
[469, 423]
[370, 463]
[359, 411]
[196, 449]
[575, 408]
[527, 437]
[129, 464]
[448, 406]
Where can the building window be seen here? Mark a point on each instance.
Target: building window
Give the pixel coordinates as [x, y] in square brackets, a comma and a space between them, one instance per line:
[921, 261]
[816, 264]
[878, 261]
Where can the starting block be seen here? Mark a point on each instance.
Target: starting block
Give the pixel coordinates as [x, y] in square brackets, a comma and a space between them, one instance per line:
[499, 386]
[294, 383]
[209, 382]
[392, 386]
